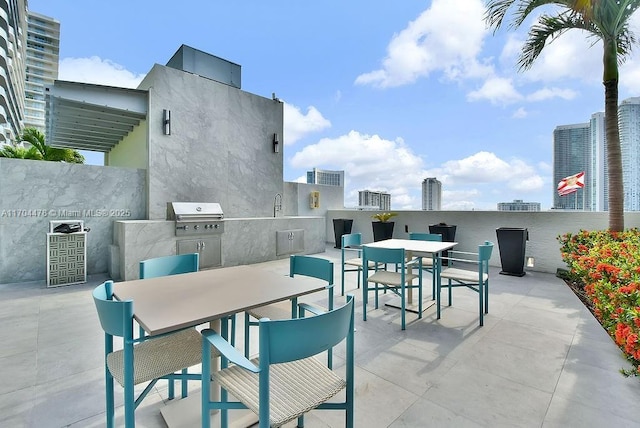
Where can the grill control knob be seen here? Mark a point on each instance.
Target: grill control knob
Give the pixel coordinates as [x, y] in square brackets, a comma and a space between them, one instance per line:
[215, 226]
[196, 227]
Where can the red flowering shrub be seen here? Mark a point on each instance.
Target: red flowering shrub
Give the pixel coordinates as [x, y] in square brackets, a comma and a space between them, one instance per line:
[608, 264]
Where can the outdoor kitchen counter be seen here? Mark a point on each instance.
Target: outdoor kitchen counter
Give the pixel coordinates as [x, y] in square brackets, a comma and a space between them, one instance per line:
[244, 241]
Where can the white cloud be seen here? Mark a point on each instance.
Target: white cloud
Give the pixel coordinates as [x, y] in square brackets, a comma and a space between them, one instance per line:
[521, 113]
[98, 71]
[447, 37]
[570, 56]
[549, 93]
[486, 167]
[298, 124]
[369, 161]
[497, 90]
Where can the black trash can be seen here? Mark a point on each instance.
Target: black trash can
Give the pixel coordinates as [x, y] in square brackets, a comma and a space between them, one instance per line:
[448, 232]
[341, 226]
[512, 243]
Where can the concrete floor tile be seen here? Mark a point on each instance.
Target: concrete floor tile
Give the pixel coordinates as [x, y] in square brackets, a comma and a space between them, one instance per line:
[424, 413]
[567, 413]
[488, 399]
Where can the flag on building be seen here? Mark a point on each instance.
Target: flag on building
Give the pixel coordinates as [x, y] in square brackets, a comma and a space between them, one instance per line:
[571, 184]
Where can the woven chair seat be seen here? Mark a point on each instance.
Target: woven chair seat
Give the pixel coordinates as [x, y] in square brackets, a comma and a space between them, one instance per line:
[427, 262]
[358, 262]
[159, 357]
[275, 311]
[391, 278]
[462, 275]
[295, 387]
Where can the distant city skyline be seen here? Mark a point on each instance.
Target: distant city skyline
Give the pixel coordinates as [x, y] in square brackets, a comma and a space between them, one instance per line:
[431, 91]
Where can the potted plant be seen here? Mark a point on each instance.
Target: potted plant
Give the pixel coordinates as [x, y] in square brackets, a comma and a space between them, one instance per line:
[382, 227]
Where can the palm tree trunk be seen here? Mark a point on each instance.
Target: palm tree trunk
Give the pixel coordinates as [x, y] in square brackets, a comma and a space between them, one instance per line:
[614, 157]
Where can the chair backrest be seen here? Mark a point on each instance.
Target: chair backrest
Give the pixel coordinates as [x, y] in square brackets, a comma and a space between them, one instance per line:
[169, 265]
[116, 317]
[294, 339]
[311, 266]
[352, 240]
[383, 255]
[418, 236]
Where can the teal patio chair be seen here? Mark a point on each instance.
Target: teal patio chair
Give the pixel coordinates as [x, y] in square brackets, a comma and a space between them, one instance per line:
[427, 262]
[351, 243]
[476, 280]
[140, 361]
[286, 380]
[175, 265]
[398, 282]
[310, 266]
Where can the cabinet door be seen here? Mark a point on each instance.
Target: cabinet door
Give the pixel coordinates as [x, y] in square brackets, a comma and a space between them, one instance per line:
[210, 252]
[289, 241]
[209, 248]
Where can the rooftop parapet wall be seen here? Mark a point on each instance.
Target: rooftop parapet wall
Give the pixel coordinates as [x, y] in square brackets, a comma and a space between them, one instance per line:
[474, 227]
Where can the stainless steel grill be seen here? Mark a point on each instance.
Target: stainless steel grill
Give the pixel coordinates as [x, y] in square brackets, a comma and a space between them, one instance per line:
[196, 218]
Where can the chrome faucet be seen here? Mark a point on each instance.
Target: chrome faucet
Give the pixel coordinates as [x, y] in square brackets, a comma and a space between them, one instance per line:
[277, 204]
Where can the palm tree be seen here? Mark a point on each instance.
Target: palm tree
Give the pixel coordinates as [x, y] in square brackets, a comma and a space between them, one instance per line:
[604, 20]
[48, 153]
[17, 152]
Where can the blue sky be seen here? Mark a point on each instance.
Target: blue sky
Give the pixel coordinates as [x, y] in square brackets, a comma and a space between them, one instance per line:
[389, 92]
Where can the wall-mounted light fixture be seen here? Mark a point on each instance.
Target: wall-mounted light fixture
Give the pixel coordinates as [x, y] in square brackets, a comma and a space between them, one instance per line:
[531, 262]
[166, 122]
[276, 143]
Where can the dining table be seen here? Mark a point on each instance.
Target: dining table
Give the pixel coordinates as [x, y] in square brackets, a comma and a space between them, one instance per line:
[418, 248]
[170, 303]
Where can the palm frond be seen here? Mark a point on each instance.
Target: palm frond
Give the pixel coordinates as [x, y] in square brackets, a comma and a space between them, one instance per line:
[525, 8]
[496, 12]
[546, 30]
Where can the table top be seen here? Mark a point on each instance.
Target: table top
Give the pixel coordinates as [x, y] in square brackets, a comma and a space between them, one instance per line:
[169, 303]
[414, 245]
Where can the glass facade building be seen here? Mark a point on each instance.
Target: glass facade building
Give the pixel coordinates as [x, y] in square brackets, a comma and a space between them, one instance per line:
[571, 155]
[431, 194]
[42, 57]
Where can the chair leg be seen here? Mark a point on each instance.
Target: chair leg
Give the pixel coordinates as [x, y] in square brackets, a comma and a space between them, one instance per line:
[342, 281]
[246, 334]
[402, 305]
[481, 303]
[109, 399]
[172, 389]
[486, 297]
[300, 422]
[450, 287]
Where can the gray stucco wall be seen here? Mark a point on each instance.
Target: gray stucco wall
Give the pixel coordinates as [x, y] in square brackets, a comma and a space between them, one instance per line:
[34, 192]
[296, 200]
[474, 227]
[220, 148]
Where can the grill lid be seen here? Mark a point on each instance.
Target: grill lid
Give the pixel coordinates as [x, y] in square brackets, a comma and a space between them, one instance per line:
[193, 211]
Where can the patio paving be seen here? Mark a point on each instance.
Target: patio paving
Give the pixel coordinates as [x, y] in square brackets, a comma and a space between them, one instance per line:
[540, 360]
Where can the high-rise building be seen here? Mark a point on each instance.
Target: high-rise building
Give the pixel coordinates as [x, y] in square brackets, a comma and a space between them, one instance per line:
[597, 184]
[571, 155]
[42, 54]
[13, 38]
[326, 177]
[374, 200]
[518, 205]
[629, 120]
[431, 194]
